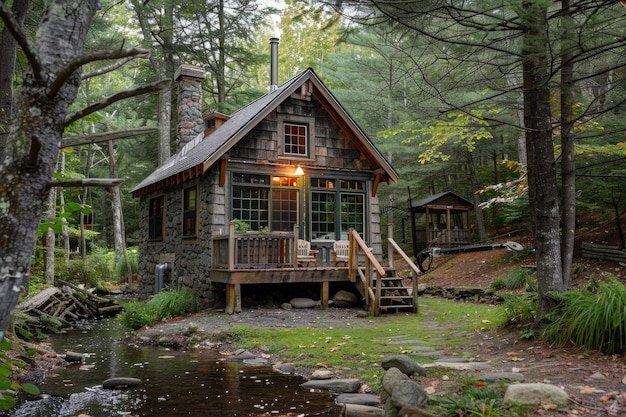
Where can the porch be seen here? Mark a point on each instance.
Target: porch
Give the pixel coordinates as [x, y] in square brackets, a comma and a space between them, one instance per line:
[250, 259]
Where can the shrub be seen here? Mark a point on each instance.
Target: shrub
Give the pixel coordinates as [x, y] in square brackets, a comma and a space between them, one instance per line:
[498, 284]
[175, 303]
[121, 269]
[519, 310]
[518, 278]
[590, 320]
[76, 272]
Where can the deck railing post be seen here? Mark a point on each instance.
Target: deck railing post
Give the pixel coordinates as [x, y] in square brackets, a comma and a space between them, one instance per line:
[296, 234]
[231, 245]
[390, 253]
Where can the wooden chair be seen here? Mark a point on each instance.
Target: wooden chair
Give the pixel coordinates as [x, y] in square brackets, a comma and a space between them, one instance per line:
[305, 255]
[340, 252]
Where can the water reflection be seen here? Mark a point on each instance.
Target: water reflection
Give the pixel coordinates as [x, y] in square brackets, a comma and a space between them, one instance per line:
[175, 383]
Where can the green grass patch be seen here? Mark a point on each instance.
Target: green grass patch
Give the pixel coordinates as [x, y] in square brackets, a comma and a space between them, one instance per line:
[138, 314]
[360, 346]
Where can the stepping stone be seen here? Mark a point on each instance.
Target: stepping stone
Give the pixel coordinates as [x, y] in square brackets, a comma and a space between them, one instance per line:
[361, 399]
[335, 385]
[501, 376]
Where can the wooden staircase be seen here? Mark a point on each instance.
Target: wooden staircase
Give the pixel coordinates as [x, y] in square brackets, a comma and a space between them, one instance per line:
[382, 288]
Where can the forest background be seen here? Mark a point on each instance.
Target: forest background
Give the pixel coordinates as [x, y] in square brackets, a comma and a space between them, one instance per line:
[452, 95]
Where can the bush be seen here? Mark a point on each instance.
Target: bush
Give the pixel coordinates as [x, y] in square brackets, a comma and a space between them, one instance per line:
[164, 304]
[520, 310]
[518, 278]
[590, 320]
[121, 269]
[76, 272]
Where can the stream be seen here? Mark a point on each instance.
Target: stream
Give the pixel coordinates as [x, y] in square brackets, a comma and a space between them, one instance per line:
[174, 383]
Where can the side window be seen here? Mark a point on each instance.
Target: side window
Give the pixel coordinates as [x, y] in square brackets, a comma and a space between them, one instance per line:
[155, 218]
[190, 212]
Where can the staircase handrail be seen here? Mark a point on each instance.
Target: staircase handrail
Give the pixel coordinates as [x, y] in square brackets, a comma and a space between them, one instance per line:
[404, 256]
[371, 266]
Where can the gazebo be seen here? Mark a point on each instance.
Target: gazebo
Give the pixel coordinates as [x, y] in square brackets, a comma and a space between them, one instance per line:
[441, 220]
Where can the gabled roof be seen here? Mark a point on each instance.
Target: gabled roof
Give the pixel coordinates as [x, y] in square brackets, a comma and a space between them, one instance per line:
[445, 198]
[199, 155]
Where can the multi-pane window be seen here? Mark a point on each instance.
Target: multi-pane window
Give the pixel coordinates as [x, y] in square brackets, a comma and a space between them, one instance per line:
[155, 218]
[295, 139]
[331, 221]
[255, 197]
[190, 211]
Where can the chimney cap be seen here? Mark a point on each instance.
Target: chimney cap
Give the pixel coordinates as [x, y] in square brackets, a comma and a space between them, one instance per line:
[189, 71]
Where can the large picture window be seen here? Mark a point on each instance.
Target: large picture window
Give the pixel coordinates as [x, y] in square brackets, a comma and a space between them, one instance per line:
[332, 221]
[255, 196]
[155, 218]
[190, 212]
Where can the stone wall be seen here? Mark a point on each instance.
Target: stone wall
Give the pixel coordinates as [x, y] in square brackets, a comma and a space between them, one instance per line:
[190, 258]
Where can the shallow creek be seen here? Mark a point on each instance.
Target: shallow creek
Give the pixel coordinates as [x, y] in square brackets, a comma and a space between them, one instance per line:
[174, 383]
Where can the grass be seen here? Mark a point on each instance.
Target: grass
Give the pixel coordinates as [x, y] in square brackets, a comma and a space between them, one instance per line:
[138, 314]
[361, 346]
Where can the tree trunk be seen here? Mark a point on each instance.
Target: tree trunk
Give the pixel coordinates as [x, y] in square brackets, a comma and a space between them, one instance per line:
[118, 214]
[50, 240]
[542, 182]
[568, 166]
[8, 57]
[34, 140]
[480, 215]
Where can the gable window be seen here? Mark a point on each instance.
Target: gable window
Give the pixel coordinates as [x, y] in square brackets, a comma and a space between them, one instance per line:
[155, 218]
[336, 207]
[190, 212]
[255, 196]
[295, 139]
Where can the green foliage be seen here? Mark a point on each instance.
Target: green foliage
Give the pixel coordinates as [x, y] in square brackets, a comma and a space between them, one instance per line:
[76, 271]
[518, 278]
[519, 310]
[138, 314]
[498, 284]
[7, 385]
[590, 320]
[241, 226]
[121, 269]
[476, 399]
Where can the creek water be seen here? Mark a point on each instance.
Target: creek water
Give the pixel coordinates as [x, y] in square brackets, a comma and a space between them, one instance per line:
[174, 383]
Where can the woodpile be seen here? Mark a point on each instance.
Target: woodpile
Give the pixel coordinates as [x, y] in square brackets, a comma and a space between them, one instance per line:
[64, 306]
[605, 252]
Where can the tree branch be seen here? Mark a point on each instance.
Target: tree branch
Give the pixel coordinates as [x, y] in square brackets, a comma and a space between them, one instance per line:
[107, 69]
[106, 136]
[149, 88]
[86, 182]
[20, 37]
[75, 64]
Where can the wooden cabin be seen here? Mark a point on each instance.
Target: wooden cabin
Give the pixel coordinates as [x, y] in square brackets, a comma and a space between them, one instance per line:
[232, 205]
[441, 220]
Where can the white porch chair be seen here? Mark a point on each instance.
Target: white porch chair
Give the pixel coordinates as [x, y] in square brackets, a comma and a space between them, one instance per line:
[305, 255]
[340, 252]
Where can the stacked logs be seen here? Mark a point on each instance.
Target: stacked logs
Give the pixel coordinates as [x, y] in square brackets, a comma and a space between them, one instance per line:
[605, 252]
[66, 305]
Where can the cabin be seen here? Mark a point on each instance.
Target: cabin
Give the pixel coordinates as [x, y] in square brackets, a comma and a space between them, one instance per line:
[261, 196]
[441, 220]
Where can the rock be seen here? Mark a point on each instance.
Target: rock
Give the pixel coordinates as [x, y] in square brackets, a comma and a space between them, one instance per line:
[408, 393]
[362, 314]
[535, 393]
[357, 410]
[598, 376]
[286, 306]
[303, 303]
[361, 399]
[390, 378]
[335, 385]
[405, 364]
[321, 374]
[121, 383]
[73, 356]
[192, 328]
[501, 376]
[344, 298]
[285, 368]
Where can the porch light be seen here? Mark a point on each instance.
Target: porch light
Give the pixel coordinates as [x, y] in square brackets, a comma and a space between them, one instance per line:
[299, 170]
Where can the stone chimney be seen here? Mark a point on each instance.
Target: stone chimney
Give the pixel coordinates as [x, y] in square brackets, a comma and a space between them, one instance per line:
[273, 64]
[190, 121]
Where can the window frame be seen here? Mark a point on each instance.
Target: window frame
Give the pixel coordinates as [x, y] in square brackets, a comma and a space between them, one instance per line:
[156, 233]
[190, 213]
[285, 120]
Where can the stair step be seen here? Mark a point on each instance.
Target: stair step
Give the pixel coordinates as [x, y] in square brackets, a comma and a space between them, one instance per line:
[396, 297]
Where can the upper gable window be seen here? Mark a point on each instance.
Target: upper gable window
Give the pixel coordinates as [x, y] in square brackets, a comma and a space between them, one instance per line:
[296, 139]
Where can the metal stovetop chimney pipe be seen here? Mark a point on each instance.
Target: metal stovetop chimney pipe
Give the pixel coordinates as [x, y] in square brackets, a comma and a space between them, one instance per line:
[273, 64]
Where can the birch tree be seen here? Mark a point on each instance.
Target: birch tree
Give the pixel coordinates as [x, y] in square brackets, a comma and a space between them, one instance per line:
[40, 114]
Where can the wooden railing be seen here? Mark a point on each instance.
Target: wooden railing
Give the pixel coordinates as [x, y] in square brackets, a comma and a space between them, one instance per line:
[368, 274]
[394, 247]
[252, 251]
